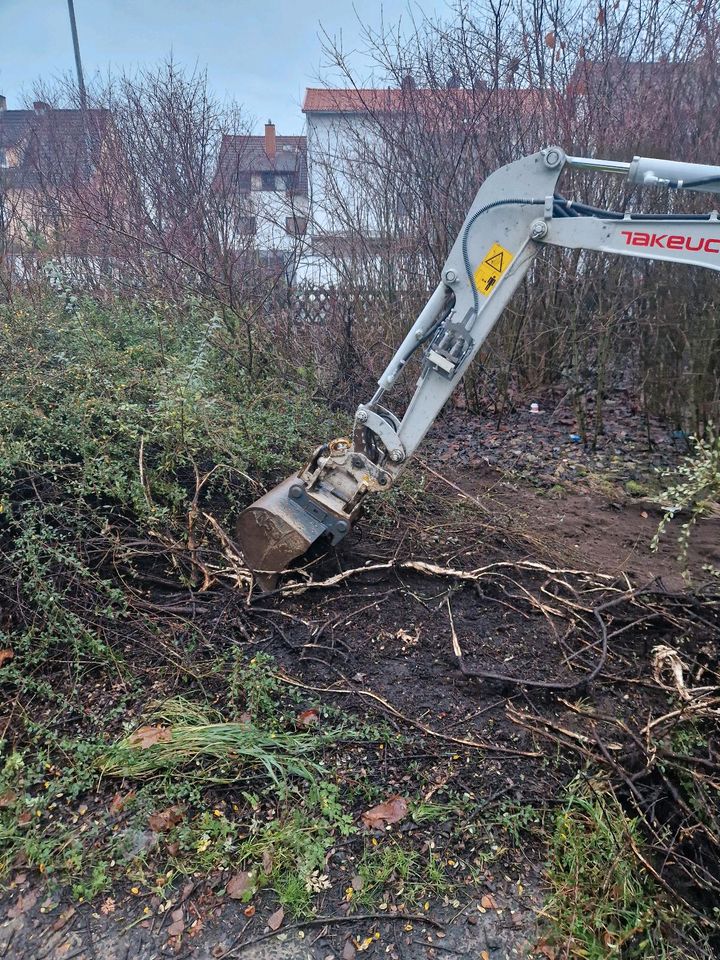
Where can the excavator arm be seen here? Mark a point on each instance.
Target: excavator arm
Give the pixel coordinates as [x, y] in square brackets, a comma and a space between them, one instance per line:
[516, 212]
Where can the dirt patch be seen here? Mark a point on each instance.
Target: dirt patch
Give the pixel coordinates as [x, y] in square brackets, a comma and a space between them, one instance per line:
[381, 645]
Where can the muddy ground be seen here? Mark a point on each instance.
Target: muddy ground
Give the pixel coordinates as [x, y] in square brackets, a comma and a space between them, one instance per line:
[379, 644]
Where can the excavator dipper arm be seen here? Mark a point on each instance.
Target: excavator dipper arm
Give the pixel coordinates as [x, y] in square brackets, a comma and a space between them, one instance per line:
[515, 213]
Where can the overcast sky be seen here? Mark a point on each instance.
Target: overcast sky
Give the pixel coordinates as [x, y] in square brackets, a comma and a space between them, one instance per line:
[263, 53]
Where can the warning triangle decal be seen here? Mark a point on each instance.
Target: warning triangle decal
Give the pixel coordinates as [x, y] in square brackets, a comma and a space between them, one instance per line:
[495, 262]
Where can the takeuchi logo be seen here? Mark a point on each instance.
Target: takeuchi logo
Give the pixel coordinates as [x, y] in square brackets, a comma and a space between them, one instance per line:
[671, 241]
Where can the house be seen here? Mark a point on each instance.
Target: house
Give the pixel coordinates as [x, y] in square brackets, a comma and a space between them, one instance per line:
[50, 167]
[379, 177]
[264, 181]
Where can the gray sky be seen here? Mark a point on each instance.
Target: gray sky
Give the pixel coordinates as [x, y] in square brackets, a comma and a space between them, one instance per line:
[263, 53]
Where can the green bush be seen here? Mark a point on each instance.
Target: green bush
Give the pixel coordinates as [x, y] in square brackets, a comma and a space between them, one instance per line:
[119, 421]
[694, 491]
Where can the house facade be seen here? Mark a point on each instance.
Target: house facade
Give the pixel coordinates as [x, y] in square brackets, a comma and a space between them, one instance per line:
[265, 181]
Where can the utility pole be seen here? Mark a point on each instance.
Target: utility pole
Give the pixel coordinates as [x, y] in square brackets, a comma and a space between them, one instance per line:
[78, 61]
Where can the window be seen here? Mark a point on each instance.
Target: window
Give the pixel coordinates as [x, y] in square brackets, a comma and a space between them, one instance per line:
[246, 226]
[296, 226]
[256, 182]
[4, 160]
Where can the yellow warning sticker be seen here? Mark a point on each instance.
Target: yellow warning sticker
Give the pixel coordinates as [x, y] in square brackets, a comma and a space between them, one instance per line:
[493, 266]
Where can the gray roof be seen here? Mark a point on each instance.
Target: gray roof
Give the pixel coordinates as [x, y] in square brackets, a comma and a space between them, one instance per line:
[57, 147]
[246, 155]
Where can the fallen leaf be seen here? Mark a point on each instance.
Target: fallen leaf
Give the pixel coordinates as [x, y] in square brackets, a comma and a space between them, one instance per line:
[166, 819]
[26, 901]
[196, 927]
[484, 955]
[488, 902]
[240, 885]
[546, 950]
[7, 799]
[308, 718]
[176, 928]
[145, 737]
[275, 919]
[393, 810]
[108, 907]
[267, 862]
[249, 911]
[349, 950]
[357, 883]
[24, 819]
[119, 802]
[173, 848]
[63, 919]
[6, 655]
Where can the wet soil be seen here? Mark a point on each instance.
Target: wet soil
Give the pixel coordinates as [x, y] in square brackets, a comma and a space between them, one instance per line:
[380, 645]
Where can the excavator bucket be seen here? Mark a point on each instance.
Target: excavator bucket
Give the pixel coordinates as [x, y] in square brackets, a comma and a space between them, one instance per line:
[275, 530]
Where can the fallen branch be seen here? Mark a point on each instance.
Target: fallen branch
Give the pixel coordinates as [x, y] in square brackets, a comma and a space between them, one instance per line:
[461, 741]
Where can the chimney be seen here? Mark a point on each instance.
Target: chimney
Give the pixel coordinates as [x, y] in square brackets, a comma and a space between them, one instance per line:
[270, 144]
[3, 102]
[40, 106]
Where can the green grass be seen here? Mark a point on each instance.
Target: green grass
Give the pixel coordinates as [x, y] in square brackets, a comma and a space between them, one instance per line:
[189, 744]
[602, 902]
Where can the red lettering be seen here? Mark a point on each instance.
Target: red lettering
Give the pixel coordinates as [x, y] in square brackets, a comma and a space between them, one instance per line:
[673, 242]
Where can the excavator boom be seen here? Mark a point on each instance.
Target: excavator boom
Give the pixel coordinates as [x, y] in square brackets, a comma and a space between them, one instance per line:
[516, 212]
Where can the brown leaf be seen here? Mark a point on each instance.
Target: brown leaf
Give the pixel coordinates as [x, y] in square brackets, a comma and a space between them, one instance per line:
[119, 802]
[488, 902]
[25, 901]
[108, 907]
[601, 17]
[166, 819]
[173, 848]
[275, 919]
[357, 883]
[249, 911]
[6, 655]
[308, 718]
[7, 799]
[550, 40]
[393, 810]
[145, 737]
[24, 819]
[240, 885]
[267, 862]
[176, 928]
[349, 950]
[546, 950]
[63, 919]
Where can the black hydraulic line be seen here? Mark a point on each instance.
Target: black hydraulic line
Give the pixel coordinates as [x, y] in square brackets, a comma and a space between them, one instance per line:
[687, 184]
[515, 201]
[574, 208]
